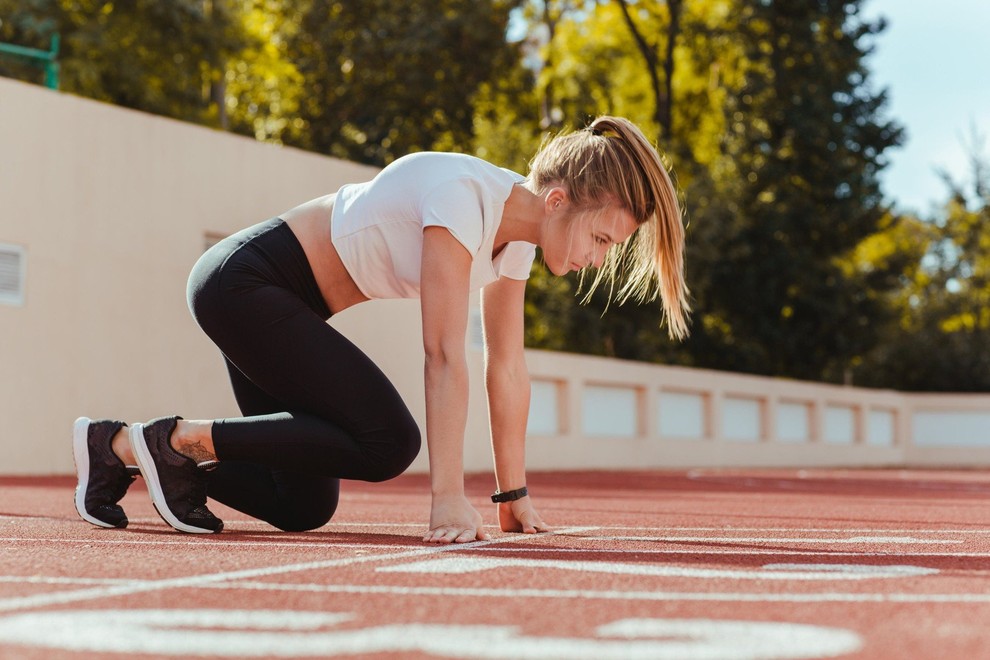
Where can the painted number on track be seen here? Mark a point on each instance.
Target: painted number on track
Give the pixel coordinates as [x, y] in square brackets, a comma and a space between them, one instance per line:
[254, 633]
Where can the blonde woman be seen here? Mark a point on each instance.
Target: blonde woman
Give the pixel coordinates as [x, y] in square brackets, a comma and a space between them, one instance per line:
[316, 410]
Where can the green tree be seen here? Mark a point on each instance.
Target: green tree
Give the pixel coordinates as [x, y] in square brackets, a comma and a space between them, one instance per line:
[161, 57]
[799, 189]
[659, 64]
[941, 338]
[263, 87]
[507, 114]
[382, 82]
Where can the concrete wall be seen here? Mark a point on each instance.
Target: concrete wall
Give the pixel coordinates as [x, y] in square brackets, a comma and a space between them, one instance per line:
[107, 209]
[627, 414]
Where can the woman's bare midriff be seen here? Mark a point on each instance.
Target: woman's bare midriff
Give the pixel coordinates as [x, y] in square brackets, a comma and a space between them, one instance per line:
[310, 222]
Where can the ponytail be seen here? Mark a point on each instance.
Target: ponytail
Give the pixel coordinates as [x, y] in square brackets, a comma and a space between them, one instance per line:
[611, 162]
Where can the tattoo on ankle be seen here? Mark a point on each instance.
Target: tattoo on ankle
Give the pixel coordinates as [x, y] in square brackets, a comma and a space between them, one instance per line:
[198, 452]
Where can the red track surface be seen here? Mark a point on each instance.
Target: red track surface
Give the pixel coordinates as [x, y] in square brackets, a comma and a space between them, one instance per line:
[706, 564]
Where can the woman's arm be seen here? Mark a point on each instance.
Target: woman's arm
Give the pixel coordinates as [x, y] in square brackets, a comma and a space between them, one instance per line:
[507, 384]
[444, 291]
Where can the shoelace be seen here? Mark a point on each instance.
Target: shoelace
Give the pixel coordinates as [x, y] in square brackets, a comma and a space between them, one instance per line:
[200, 512]
[196, 493]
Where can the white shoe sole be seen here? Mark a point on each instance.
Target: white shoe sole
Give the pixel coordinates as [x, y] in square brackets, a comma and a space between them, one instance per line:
[150, 473]
[80, 452]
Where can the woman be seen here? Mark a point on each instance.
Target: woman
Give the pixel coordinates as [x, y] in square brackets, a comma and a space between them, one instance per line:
[316, 409]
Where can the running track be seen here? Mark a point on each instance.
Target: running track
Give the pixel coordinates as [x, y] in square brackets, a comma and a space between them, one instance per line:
[703, 564]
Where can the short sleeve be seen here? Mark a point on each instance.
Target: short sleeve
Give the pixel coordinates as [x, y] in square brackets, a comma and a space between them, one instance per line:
[516, 260]
[459, 207]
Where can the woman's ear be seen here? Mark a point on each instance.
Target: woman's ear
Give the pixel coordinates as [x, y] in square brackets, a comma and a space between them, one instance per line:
[555, 198]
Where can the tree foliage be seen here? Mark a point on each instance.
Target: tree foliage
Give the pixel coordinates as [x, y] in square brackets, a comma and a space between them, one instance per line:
[940, 340]
[803, 147]
[382, 82]
[161, 57]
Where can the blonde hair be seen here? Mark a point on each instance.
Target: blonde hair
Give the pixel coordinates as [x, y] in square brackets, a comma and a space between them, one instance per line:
[612, 163]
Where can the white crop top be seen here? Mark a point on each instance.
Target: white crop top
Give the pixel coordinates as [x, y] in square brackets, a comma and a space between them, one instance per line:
[377, 227]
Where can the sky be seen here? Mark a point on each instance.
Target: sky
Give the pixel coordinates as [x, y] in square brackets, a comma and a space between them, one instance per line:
[934, 60]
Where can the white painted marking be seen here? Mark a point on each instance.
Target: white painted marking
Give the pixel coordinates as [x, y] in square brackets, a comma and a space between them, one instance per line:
[331, 544]
[49, 599]
[616, 595]
[459, 565]
[898, 539]
[577, 594]
[847, 570]
[39, 579]
[831, 530]
[252, 633]
[214, 545]
[892, 540]
[736, 551]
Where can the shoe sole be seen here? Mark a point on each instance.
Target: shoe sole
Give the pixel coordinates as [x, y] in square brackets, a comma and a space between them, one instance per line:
[139, 445]
[80, 452]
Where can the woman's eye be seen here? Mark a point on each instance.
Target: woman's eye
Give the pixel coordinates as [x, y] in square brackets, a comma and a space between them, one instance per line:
[601, 240]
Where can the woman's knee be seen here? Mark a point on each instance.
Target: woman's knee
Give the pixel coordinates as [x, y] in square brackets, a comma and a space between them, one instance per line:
[303, 520]
[405, 443]
[303, 502]
[202, 285]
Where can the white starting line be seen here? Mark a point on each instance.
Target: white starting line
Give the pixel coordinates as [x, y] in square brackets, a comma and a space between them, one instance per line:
[802, 572]
[856, 540]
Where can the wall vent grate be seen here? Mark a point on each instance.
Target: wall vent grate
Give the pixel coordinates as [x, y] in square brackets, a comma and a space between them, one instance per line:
[12, 272]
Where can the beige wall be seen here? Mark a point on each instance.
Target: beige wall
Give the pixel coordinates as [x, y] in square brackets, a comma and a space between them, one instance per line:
[112, 208]
[590, 411]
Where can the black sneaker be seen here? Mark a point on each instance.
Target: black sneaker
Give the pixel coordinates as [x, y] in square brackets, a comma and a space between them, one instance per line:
[102, 477]
[176, 484]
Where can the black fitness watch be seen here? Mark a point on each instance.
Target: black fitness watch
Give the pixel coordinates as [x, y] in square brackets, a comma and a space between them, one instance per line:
[510, 495]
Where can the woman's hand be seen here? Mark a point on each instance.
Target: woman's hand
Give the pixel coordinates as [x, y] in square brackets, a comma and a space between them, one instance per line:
[454, 520]
[520, 516]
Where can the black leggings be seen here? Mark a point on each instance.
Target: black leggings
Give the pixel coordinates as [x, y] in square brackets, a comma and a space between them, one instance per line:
[316, 408]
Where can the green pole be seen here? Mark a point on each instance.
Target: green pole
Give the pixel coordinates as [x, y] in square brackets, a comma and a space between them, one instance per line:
[48, 58]
[51, 66]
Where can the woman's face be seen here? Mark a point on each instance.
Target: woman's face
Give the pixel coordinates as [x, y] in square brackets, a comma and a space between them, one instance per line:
[576, 241]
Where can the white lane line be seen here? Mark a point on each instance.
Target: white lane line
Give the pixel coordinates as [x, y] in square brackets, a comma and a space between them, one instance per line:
[794, 530]
[213, 544]
[714, 552]
[460, 564]
[330, 544]
[776, 539]
[60, 580]
[484, 592]
[61, 598]
[481, 592]
[745, 552]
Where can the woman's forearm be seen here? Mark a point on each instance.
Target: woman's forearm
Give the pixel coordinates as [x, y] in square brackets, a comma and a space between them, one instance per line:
[508, 408]
[446, 421]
